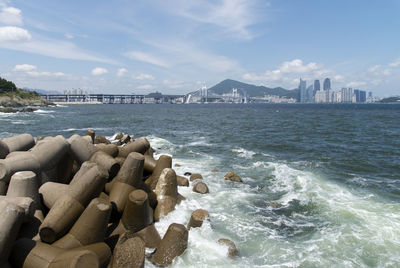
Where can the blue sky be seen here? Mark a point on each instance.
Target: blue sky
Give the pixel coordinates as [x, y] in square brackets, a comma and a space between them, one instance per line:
[175, 46]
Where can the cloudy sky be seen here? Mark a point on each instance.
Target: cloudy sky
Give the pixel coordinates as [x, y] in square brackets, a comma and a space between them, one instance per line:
[175, 46]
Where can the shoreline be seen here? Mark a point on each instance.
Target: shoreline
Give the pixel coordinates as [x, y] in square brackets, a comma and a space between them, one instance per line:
[77, 103]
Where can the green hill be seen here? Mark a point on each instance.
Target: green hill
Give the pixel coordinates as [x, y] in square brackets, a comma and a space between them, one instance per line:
[226, 86]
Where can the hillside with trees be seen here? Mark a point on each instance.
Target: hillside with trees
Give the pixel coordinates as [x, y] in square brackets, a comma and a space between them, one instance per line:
[226, 86]
[7, 86]
[11, 96]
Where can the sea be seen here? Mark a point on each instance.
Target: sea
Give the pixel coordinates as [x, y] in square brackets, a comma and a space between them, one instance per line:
[321, 183]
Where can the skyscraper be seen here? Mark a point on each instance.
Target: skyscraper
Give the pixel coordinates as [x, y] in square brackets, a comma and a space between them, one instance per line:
[302, 91]
[317, 85]
[327, 84]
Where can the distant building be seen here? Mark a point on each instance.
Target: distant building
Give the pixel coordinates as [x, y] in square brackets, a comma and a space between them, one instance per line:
[310, 94]
[363, 96]
[317, 85]
[302, 91]
[357, 95]
[347, 94]
[327, 84]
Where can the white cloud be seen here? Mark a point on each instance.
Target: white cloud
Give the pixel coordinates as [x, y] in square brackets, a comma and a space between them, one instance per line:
[144, 57]
[234, 16]
[374, 68]
[99, 71]
[24, 67]
[356, 84]
[143, 77]
[289, 71]
[121, 72]
[145, 87]
[31, 70]
[69, 36]
[11, 16]
[297, 66]
[395, 63]
[175, 84]
[45, 74]
[13, 34]
[54, 48]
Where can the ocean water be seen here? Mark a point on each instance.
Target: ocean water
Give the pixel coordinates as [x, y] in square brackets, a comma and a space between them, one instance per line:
[321, 182]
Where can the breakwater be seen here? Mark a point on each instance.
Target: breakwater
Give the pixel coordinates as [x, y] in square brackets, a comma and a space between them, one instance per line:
[90, 202]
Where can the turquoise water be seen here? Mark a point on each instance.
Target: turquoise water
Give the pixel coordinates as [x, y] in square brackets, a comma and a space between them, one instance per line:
[321, 182]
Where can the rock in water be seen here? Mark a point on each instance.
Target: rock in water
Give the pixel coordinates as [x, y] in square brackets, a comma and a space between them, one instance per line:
[231, 176]
[200, 187]
[197, 218]
[195, 176]
[232, 250]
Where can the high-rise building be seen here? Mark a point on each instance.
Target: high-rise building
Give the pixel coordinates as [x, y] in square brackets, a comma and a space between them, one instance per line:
[357, 95]
[317, 85]
[310, 94]
[347, 94]
[327, 84]
[302, 91]
[363, 96]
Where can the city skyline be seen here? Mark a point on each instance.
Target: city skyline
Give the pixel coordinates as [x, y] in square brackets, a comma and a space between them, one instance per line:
[176, 47]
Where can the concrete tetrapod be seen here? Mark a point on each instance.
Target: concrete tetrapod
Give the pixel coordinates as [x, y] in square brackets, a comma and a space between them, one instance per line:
[137, 220]
[167, 193]
[51, 192]
[149, 235]
[110, 149]
[140, 146]
[24, 184]
[129, 253]
[21, 142]
[149, 163]
[82, 151]
[11, 220]
[163, 162]
[173, 244]
[91, 133]
[68, 208]
[89, 228]
[44, 156]
[197, 218]
[27, 253]
[128, 179]
[25, 203]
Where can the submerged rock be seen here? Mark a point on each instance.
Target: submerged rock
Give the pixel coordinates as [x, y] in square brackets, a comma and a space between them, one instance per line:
[200, 187]
[232, 250]
[195, 176]
[231, 176]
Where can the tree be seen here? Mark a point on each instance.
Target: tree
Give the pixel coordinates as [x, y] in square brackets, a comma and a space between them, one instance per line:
[6, 85]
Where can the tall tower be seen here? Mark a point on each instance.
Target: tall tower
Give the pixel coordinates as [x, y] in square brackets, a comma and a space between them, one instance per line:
[317, 85]
[302, 91]
[327, 84]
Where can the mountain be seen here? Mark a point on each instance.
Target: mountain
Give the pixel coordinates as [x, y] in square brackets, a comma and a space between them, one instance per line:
[42, 91]
[226, 86]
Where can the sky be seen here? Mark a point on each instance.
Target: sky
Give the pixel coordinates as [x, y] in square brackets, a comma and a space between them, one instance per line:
[177, 46]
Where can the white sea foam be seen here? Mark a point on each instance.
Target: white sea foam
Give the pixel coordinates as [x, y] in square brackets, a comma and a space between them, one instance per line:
[343, 227]
[40, 111]
[243, 152]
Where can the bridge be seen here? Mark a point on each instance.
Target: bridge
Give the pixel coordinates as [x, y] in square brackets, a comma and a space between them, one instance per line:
[111, 98]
